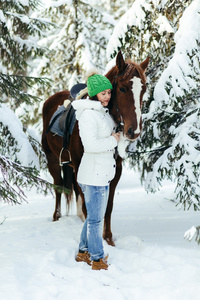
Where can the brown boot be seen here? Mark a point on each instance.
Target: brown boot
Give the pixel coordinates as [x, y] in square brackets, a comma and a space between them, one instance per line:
[85, 257]
[100, 264]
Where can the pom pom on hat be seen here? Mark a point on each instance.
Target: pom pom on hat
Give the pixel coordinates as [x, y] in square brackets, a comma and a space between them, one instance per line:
[90, 72]
[97, 83]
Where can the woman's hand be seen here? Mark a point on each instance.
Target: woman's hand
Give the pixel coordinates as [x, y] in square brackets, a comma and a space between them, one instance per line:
[116, 136]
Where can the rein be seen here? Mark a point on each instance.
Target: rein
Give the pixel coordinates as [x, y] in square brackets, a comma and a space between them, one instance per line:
[120, 125]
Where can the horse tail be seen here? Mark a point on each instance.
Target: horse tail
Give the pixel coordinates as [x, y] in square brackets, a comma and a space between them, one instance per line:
[69, 184]
[67, 176]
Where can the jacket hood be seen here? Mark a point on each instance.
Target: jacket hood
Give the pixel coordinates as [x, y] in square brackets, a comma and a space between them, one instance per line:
[83, 104]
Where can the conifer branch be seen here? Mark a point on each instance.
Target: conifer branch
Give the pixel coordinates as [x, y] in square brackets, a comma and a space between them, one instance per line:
[17, 177]
[15, 86]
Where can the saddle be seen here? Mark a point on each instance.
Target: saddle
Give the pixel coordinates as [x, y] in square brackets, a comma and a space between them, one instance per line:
[62, 122]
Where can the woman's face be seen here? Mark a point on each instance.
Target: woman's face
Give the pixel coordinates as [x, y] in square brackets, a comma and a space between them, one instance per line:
[104, 97]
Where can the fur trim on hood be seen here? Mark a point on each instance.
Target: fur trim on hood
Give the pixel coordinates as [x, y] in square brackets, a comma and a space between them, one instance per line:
[82, 93]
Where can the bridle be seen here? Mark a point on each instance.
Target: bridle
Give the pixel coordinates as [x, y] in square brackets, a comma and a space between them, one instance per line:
[120, 124]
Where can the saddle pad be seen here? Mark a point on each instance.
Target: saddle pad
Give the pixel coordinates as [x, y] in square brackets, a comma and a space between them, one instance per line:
[58, 127]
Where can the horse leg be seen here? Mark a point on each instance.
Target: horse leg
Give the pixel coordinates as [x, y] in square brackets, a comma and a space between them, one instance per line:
[55, 171]
[80, 203]
[57, 213]
[107, 235]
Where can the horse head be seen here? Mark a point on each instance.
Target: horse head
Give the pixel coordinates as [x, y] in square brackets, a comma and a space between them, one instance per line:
[128, 79]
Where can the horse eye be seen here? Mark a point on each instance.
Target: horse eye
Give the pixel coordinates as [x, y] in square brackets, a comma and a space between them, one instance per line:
[122, 90]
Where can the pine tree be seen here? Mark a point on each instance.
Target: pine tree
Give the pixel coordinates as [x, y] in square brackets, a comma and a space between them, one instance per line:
[176, 111]
[78, 43]
[20, 32]
[169, 144]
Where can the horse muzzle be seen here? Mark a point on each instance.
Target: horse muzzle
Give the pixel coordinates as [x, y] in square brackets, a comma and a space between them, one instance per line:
[132, 134]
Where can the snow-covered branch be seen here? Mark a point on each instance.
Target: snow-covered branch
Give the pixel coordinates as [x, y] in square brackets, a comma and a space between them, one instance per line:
[190, 234]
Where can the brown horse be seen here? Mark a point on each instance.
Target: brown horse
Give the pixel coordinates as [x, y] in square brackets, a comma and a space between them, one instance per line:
[128, 80]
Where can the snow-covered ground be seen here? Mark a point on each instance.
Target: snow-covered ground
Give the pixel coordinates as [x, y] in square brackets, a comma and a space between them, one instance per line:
[151, 259]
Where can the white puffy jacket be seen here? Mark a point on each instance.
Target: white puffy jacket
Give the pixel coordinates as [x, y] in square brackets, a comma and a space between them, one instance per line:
[97, 165]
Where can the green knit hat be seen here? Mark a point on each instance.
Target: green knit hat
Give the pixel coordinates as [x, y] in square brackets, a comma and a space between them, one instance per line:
[98, 83]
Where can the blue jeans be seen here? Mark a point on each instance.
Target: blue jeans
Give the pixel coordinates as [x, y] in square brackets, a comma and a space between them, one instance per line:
[96, 199]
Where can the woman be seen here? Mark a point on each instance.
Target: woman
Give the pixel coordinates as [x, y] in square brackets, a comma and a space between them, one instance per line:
[97, 167]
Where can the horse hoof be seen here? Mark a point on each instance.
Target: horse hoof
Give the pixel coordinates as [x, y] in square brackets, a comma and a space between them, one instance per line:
[110, 241]
[56, 217]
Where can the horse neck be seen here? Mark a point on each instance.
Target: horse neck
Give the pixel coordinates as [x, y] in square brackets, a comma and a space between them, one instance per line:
[112, 108]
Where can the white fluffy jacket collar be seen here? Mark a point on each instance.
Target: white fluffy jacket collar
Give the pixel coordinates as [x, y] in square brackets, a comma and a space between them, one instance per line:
[82, 104]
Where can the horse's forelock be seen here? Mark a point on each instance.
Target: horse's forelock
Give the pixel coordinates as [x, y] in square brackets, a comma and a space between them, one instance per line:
[141, 73]
[131, 70]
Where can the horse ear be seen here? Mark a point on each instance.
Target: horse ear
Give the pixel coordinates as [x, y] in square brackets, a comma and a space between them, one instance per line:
[120, 63]
[145, 63]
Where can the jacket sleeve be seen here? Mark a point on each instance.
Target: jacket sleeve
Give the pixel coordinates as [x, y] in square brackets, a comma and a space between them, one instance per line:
[88, 128]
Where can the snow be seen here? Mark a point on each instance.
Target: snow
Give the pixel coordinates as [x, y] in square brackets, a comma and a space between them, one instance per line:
[2, 17]
[163, 24]
[189, 234]
[51, 3]
[190, 22]
[23, 2]
[26, 154]
[151, 259]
